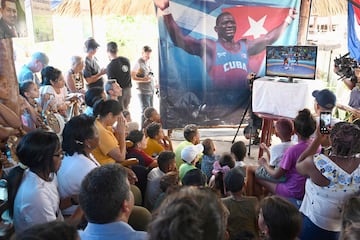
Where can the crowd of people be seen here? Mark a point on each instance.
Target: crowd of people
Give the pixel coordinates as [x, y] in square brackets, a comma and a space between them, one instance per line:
[96, 174]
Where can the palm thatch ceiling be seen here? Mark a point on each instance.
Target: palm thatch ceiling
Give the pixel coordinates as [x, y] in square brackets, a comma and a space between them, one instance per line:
[146, 7]
[325, 8]
[108, 7]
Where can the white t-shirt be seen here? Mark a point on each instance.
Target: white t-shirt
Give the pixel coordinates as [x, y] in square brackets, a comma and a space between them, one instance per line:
[72, 171]
[277, 151]
[59, 98]
[37, 201]
[153, 187]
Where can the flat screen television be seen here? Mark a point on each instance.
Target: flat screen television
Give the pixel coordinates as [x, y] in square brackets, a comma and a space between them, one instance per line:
[291, 62]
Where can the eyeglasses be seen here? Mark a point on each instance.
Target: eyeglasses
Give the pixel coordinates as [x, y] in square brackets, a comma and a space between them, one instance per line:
[59, 154]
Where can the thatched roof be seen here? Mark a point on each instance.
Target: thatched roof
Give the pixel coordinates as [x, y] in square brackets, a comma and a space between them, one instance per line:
[325, 8]
[146, 7]
[108, 7]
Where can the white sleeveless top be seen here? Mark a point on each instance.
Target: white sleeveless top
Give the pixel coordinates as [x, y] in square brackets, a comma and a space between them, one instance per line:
[323, 205]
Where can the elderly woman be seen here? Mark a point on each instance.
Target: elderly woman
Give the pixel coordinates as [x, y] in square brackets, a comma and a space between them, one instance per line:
[331, 181]
[74, 77]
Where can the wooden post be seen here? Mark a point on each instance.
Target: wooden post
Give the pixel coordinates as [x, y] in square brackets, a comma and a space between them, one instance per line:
[9, 87]
[303, 21]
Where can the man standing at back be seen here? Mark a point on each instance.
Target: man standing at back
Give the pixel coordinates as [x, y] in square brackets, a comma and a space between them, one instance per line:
[119, 69]
[107, 202]
[38, 61]
[8, 20]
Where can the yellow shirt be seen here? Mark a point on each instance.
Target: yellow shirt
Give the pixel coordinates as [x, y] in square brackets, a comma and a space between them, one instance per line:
[153, 148]
[107, 142]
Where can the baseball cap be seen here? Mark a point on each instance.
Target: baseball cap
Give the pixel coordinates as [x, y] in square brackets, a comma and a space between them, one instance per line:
[325, 98]
[90, 43]
[189, 153]
[234, 179]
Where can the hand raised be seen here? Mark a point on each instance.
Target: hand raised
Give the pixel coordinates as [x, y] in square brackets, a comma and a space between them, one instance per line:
[161, 4]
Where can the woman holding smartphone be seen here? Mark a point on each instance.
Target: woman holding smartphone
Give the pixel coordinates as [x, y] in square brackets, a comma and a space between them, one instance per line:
[331, 180]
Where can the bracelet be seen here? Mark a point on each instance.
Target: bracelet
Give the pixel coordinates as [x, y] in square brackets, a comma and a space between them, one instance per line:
[166, 11]
[289, 20]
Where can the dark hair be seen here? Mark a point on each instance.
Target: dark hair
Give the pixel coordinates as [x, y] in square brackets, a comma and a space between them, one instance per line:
[190, 132]
[164, 159]
[282, 218]
[234, 180]
[208, 148]
[189, 206]
[148, 112]
[225, 160]
[305, 123]
[76, 131]
[112, 47]
[350, 212]
[49, 74]
[35, 150]
[103, 107]
[103, 192]
[239, 150]
[170, 179]
[25, 86]
[220, 16]
[135, 136]
[153, 129]
[3, 2]
[54, 230]
[147, 49]
[284, 127]
[194, 177]
[345, 139]
[93, 95]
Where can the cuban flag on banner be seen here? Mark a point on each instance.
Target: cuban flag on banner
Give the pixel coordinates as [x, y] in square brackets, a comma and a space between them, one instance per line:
[354, 29]
[189, 81]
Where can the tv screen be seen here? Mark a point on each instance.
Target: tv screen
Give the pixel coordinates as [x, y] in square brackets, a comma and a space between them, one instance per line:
[291, 61]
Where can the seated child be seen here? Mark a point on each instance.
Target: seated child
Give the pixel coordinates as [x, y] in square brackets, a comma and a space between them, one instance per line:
[221, 167]
[151, 115]
[190, 156]
[294, 185]
[243, 209]
[208, 157]
[284, 129]
[238, 150]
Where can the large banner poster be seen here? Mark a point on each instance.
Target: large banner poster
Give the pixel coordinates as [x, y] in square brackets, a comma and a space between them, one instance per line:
[208, 48]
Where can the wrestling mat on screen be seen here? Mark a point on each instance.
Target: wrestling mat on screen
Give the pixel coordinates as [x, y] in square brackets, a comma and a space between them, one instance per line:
[207, 49]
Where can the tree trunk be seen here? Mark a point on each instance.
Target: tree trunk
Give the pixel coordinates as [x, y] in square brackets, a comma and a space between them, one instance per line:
[9, 87]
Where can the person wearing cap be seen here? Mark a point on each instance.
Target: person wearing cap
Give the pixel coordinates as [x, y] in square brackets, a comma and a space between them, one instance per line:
[119, 69]
[92, 72]
[190, 156]
[325, 101]
[38, 61]
[243, 209]
[143, 75]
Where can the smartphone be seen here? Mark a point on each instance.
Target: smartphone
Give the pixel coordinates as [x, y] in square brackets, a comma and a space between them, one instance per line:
[325, 121]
